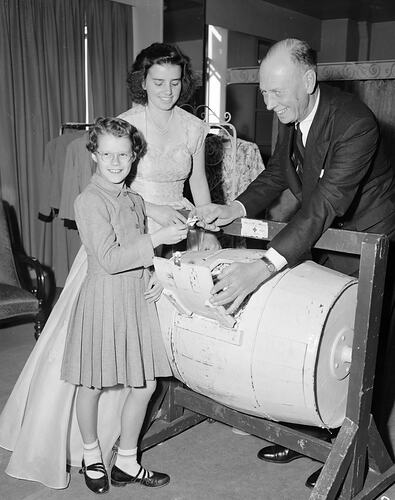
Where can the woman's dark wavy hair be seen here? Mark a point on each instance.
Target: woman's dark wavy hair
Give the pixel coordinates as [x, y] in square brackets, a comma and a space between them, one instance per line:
[160, 53]
[118, 128]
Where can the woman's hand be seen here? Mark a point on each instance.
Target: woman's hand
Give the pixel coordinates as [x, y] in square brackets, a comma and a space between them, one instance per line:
[164, 214]
[154, 289]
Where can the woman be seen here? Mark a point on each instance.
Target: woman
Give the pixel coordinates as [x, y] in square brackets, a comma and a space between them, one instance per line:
[160, 80]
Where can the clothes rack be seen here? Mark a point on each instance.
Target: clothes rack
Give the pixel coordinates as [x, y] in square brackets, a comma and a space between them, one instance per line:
[74, 125]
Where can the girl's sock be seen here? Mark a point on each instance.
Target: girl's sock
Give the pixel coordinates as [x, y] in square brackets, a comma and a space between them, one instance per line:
[92, 455]
[127, 461]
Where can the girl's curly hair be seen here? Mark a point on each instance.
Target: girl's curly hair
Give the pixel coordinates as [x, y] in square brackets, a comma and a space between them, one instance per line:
[118, 128]
[160, 53]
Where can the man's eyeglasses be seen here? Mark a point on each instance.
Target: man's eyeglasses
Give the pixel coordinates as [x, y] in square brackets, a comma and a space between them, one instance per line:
[110, 157]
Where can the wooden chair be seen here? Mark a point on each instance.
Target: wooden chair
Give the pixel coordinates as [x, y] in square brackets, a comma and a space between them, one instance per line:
[26, 287]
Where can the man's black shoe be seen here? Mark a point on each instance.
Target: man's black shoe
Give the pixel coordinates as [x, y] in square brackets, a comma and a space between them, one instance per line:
[278, 454]
[313, 478]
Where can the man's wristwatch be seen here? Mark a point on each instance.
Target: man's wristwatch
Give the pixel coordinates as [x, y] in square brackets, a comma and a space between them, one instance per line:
[269, 264]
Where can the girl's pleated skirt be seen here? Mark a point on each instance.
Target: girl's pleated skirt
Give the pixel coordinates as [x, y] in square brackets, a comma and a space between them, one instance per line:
[114, 334]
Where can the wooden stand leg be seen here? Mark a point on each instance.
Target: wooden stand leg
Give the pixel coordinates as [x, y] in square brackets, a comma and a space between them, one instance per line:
[154, 409]
[170, 410]
[173, 418]
[377, 486]
[337, 463]
[379, 458]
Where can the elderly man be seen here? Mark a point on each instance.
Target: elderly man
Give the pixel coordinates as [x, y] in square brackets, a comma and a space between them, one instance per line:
[328, 153]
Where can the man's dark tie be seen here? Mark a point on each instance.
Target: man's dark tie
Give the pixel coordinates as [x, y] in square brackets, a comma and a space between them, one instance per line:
[298, 151]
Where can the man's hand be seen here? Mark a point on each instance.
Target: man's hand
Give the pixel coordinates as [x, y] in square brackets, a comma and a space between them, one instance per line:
[212, 215]
[237, 281]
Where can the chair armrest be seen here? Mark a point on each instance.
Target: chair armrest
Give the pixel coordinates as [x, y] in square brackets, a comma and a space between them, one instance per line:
[38, 288]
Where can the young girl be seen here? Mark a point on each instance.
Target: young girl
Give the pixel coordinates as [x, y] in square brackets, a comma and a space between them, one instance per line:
[113, 335]
[92, 372]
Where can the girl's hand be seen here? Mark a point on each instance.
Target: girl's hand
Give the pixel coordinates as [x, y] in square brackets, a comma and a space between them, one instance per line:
[154, 289]
[164, 215]
[170, 235]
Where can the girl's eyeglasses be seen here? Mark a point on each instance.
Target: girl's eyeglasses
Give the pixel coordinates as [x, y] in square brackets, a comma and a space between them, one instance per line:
[110, 157]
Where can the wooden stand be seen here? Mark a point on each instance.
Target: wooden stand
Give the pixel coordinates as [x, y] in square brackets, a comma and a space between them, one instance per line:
[344, 472]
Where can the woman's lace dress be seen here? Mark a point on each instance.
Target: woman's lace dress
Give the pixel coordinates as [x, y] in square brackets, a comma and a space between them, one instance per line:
[162, 172]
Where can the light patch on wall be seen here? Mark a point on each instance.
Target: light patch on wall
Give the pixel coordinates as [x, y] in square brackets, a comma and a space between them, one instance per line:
[217, 49]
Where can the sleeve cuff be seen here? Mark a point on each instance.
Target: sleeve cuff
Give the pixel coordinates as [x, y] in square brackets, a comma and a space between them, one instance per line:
[276, 258]
[242, 207]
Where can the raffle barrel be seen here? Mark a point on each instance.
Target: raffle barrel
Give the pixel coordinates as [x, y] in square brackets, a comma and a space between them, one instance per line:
[285, 355]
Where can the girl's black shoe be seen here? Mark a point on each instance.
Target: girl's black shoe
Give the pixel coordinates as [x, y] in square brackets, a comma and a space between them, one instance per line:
[155, 480]
[99, 485]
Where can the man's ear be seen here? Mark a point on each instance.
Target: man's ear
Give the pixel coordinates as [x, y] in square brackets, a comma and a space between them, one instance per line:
[94, 157]
[310, 80]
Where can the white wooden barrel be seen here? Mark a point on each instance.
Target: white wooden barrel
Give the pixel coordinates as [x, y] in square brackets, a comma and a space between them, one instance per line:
[287, 357]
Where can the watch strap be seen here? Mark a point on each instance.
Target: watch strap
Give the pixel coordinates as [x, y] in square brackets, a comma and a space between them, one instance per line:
[269, 264]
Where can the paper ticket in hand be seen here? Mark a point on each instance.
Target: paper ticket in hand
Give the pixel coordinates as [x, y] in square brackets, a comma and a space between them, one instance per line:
[191, 221]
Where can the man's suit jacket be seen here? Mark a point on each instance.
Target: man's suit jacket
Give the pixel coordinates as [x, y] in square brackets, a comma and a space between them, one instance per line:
[347, 182]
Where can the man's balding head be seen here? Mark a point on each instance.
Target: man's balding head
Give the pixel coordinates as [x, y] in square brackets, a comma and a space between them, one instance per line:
[288, 79]
[299, 52]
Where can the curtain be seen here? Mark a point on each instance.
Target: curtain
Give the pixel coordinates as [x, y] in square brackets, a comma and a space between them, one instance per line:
[110, 54]
[42, 85]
